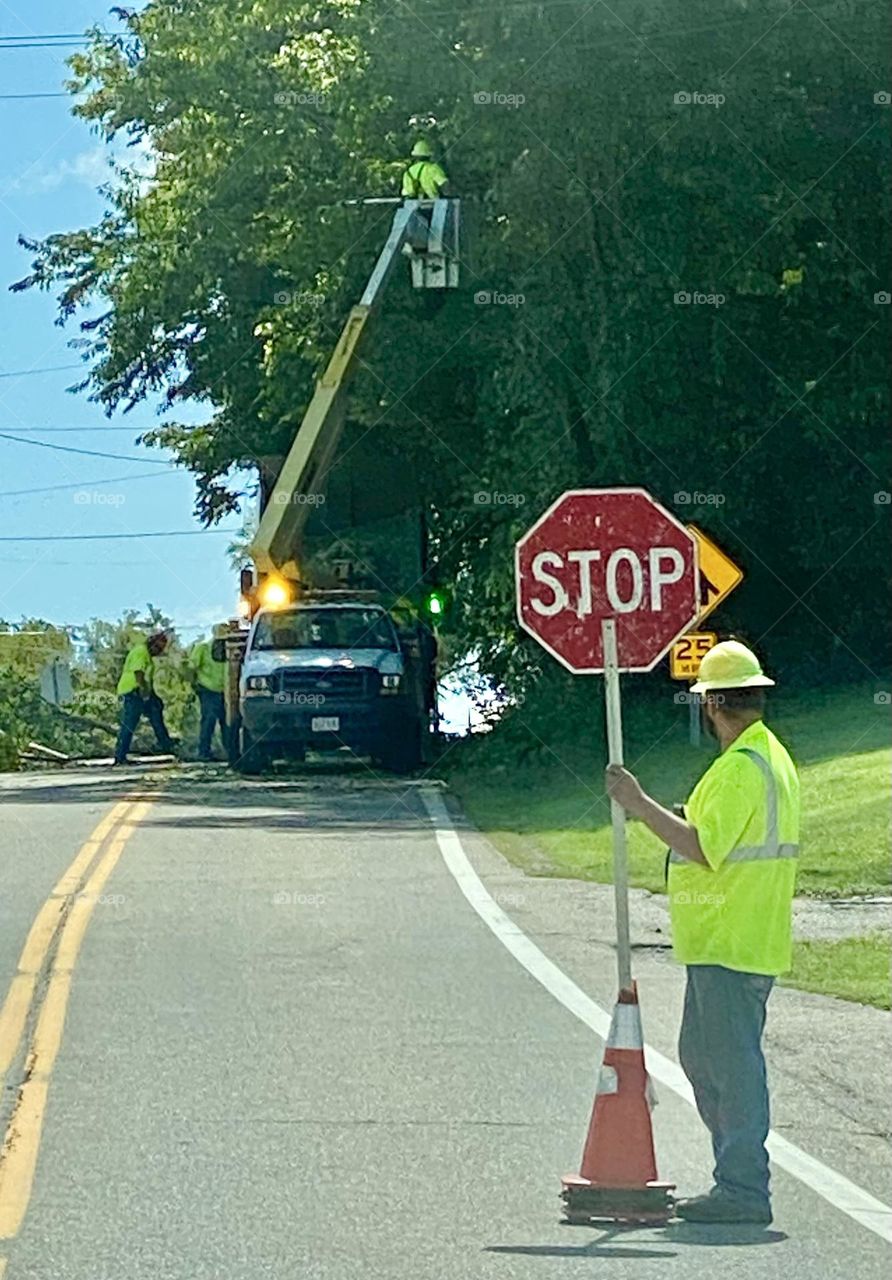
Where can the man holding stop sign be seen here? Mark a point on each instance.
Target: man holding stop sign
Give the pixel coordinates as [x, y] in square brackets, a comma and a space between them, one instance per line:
[606, 581]
[732, 873]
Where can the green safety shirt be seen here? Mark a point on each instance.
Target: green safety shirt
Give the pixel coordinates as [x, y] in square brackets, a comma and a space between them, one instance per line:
[737, 910]
[423, 180]
[209, 673]
[138, 659]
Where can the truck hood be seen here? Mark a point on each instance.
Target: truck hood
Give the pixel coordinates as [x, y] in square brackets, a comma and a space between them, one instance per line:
[263, 662]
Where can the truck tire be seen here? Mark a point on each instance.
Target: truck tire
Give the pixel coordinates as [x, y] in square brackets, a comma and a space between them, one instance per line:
[401, 752]
[234, 742]
[255, 757]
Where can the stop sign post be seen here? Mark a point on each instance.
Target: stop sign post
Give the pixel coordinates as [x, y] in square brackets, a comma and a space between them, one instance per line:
[607, 580]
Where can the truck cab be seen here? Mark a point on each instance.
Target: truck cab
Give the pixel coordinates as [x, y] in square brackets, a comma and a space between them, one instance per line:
[329, 672]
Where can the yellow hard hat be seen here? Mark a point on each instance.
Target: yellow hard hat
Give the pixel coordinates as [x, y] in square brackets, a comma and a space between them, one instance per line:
[220, 630]
[730, 665]
[422, 150]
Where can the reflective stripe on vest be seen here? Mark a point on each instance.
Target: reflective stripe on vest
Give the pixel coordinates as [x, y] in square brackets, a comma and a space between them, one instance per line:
[772, 848]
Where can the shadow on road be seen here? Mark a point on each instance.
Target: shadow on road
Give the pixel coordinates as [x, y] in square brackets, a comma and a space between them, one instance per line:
[183, 783]
[607, 1244]
[601, 1247]
[593, 1250]
[336, 796]
[316, 820]
[717, 1236]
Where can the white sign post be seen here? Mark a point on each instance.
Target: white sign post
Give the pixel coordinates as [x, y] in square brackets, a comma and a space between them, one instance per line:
[607, 579]
[613, 703]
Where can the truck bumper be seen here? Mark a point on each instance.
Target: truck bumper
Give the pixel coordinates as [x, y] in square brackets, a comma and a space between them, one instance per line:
[361, 726]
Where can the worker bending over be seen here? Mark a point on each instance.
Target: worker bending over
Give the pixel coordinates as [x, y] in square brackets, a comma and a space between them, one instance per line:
[208, 676]
[138, 697]
[424, 179]
[730, 881]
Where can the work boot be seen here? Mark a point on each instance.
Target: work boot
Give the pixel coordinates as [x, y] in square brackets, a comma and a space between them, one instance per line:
[719, 1206]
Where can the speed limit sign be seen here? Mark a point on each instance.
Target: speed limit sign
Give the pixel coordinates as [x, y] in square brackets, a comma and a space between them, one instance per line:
[687, 653]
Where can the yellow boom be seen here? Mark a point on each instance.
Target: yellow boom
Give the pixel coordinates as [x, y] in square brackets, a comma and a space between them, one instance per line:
[429, 228]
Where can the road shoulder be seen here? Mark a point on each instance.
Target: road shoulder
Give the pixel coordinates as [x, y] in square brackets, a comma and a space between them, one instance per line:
[827, 1057]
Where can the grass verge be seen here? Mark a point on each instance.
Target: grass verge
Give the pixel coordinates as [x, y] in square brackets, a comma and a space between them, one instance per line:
[854, 969]
[550, 816]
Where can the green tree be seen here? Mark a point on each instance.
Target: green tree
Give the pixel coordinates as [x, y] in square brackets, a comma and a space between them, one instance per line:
[611, 160]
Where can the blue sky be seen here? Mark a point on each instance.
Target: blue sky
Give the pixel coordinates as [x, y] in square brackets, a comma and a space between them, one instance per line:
[50, 166]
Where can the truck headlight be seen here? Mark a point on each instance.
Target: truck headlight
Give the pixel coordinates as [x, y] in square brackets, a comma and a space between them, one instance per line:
[257, 684]
[390, 684]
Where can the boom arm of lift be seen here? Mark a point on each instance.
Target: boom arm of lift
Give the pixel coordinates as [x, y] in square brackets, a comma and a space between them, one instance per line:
[427, 232]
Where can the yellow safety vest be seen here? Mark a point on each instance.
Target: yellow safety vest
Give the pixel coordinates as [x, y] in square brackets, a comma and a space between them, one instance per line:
[423, 180]
[736, 911]
[138, 659]
[208, 672]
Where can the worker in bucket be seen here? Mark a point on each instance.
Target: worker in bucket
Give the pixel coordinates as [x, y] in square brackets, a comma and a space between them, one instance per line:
[424, 179]
[208, 676]
[138, 698]
[730, 884]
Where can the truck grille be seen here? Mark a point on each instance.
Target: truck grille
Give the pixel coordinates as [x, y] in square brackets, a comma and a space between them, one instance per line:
[341, 684]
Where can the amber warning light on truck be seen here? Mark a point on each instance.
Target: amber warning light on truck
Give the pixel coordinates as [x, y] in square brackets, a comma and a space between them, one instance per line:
[274, 593]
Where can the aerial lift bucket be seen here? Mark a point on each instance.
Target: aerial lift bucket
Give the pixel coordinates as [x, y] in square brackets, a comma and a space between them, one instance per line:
[433, 244]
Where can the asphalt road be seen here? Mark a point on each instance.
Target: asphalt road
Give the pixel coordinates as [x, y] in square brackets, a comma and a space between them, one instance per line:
[291, 1048]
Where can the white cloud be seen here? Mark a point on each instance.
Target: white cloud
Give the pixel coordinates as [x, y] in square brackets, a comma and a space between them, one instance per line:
[90, 168]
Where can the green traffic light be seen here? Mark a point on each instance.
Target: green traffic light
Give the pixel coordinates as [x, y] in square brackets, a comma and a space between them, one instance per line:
[436, 605]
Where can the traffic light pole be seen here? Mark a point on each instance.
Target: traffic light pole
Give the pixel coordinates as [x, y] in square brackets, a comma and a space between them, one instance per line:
[618, 815]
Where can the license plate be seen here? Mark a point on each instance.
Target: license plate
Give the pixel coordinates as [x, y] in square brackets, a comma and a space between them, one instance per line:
[325, 724]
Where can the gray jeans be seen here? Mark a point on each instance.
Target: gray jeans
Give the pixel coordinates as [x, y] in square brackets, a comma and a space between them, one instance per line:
[720, 1050]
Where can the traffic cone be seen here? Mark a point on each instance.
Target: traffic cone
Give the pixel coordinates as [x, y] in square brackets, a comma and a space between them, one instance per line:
[618, 1178]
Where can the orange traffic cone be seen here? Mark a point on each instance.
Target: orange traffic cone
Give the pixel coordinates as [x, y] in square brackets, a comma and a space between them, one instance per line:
[618, 1178]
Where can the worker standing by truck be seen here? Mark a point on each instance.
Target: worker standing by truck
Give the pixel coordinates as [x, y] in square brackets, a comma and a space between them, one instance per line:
[208, 676]
[730, 882]
[138, 698]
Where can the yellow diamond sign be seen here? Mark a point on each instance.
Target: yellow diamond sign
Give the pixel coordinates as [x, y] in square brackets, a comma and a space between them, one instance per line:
[719, 575]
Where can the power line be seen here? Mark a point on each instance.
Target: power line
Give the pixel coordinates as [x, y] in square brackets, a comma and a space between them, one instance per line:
[81, 564]
[37, 35]
[86, 484]
[42, 44]
[19, 97]
[57, 368]
[116, 537]
[110, 427]
[87, 453]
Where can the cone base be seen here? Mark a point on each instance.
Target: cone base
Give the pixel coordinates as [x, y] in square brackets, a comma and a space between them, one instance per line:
[651, 1204]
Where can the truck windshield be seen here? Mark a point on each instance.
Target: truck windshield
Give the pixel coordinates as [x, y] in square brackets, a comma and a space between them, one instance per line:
[308, 628]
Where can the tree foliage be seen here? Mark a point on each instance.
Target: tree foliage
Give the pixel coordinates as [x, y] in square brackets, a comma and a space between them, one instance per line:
[614, 160]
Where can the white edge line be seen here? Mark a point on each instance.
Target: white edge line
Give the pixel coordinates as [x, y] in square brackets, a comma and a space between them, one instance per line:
[836, 1189]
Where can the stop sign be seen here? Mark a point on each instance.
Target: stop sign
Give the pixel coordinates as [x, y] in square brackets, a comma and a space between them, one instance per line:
[607, 553]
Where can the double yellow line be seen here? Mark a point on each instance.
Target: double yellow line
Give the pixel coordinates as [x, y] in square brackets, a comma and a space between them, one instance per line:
[37, 1000]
